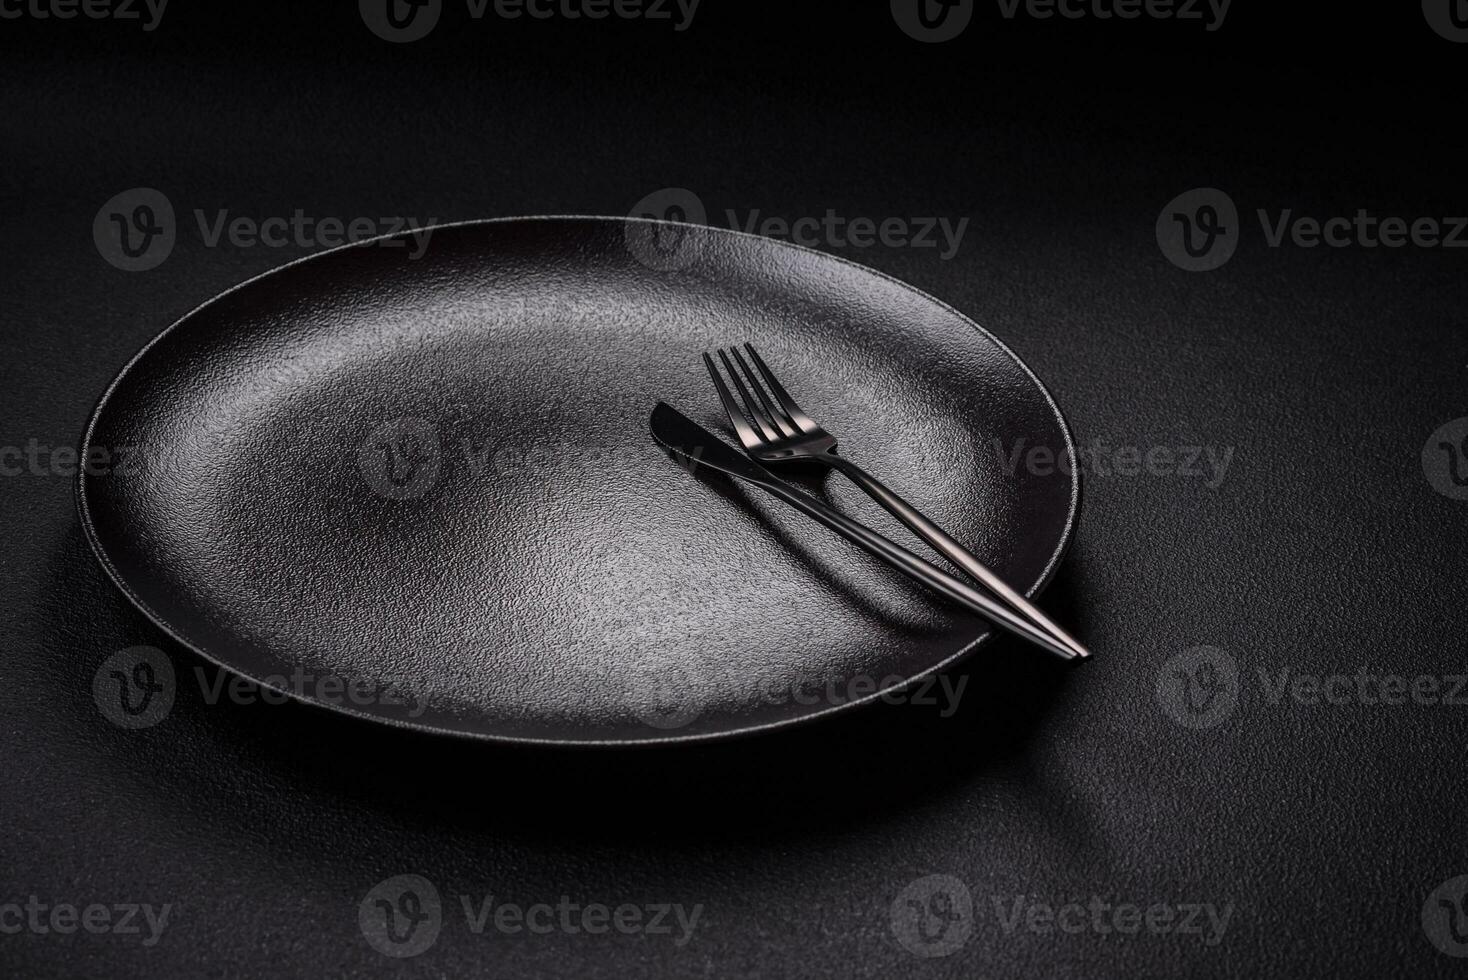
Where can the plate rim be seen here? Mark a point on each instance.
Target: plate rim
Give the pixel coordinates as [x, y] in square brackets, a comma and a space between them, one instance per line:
[1047, 574]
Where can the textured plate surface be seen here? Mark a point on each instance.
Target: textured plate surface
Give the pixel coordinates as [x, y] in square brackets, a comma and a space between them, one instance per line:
[422, 490]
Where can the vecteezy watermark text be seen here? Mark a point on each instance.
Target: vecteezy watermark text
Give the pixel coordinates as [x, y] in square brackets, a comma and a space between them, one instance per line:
[662, 699]
[1199, 230]
[1210, 13]
[404, 459]
[137, 229]
[1202, 687]
[404, 21]
[834, 230]
[304, 231]
[934, 916]
[936, 21]
[1101, 916]
[47, 918]
[136, 688]
[36, 458]
[148, 13]
[1210, 464]
[403, 916]
[1363, 687]
[337, 690]
[572, 918]
[662, 246]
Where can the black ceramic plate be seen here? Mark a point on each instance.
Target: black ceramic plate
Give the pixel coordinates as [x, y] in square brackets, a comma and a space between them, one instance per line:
[422, 490]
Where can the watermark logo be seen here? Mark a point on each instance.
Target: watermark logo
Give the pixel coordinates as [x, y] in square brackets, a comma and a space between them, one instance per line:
[1445, 459]
[400, 21]
[134, 688]
[673, 237]
[401, 916]
[933, 916]
[404, 915]
[665, 247]
[1202, 687]
[406, 458]
[1199, 688]
[1199, 229]
[401, 459]
[135, 230]
[933, 21]
[1445, 917]
[1448, 17]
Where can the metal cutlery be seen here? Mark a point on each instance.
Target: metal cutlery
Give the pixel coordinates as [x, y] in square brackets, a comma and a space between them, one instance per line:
[694, 446]
[773, 429]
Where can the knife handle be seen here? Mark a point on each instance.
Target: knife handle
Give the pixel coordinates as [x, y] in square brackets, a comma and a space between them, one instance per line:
[943, 543]
[916, 568]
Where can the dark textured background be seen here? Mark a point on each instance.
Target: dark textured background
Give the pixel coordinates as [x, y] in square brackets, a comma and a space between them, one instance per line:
[1325, 549]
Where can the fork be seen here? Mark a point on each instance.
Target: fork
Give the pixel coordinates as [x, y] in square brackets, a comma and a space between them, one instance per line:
[696, 449]
[776, 430]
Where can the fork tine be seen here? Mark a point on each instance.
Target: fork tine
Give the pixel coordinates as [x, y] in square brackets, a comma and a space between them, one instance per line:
[782, 422]
[801, 420]
[769, 432]
[748, 437]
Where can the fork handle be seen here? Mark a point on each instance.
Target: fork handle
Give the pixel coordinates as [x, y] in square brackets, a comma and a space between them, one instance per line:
[943, 543]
